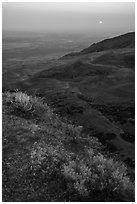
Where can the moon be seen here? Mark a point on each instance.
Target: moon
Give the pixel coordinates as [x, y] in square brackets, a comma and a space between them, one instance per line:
[100, 22]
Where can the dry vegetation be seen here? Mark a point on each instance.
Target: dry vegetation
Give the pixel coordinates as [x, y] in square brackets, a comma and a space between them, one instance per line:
[63, 164]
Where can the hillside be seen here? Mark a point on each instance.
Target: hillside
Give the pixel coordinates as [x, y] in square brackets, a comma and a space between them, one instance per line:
[97, 86]
[80, 107]
[46, 159]
[123, 41]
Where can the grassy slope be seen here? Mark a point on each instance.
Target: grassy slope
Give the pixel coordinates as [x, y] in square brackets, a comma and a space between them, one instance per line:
[123, 41]
[90, 94]
[40, 153]
[95, 90]
[21, 132]
[77, 88]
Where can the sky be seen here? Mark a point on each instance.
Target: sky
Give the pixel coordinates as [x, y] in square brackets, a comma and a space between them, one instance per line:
[69, 17]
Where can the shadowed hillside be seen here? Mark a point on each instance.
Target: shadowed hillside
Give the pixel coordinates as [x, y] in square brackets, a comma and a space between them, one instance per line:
[72, 114]
[123, 41]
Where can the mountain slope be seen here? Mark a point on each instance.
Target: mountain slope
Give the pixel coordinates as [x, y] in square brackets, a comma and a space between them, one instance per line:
[95, 90]
[123, 41]
[59, 133]
[46, 160]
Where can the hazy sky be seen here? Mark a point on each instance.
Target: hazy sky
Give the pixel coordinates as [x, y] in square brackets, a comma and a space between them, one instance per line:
[94, 17]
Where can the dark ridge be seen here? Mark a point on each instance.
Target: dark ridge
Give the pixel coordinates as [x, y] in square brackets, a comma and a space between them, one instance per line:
[123, 41]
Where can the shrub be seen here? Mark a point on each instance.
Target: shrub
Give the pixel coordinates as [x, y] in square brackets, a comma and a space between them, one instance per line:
[95, 177]
[73, 131]
[100, 175]
[34, 106]
[47, 156]
[44, 158]
[28, 104]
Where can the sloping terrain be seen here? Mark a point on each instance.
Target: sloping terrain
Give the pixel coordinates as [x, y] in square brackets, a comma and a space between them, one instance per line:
[46, 159]
[123, 41]
[95, 89]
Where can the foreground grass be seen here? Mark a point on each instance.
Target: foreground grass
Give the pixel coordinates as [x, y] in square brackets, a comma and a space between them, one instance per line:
[45, 159]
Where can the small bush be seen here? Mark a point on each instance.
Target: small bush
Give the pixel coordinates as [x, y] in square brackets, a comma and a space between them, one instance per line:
[44, 158]
[94, 177]
[41, 152]
[34, 106]
[28, 104]
[73, 131]
[100, 175]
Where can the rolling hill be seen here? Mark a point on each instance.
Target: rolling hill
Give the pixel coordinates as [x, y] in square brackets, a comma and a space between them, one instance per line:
[123, 41]
[46, 159]
[93, 88]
